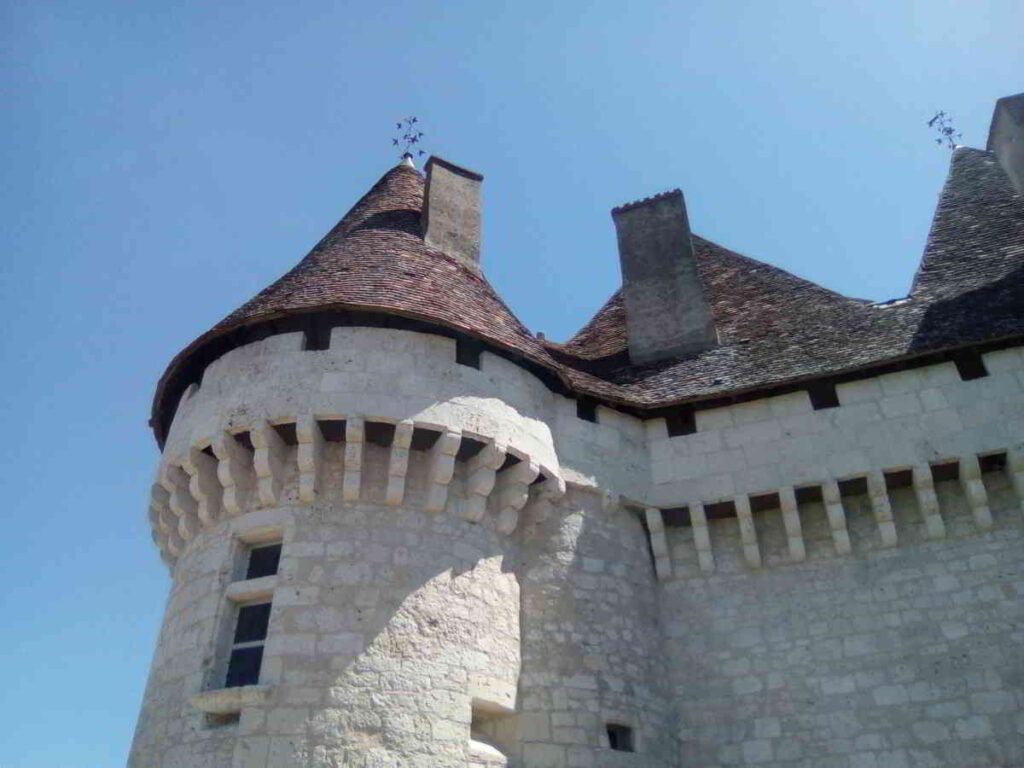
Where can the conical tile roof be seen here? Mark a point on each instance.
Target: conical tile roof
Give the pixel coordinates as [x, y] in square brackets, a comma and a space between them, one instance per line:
[374, 260]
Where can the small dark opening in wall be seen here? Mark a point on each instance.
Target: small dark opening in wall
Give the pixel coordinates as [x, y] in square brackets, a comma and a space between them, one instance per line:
[809, 495]
[380, 433]
[944, 472]
[333, 430]
[467, 352]
[855, 486]
[620, 737]
[222, 720]
[676, 517]
[994, 462]
[969, 365]
[720, 510]
[244, 439]
[208, 450]
[317, 336]
[287, 433]
[586, 408]
[681, 421]
[764, 502]
[823, 395]
[510, 461]
[468, 448]
[901, 478]
[423, 439]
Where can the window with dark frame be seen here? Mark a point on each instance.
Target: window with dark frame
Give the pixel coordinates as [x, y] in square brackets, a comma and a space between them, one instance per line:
[620, 737]
[263, 561]
[247, 645]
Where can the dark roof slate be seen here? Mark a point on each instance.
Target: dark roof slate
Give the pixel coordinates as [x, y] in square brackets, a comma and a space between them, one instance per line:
[776, 328]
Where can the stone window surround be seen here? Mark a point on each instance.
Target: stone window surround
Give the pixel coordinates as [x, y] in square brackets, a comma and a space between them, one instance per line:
[242, 591]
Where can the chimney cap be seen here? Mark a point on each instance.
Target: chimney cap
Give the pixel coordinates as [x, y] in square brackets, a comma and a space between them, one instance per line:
[460, 170]
[647, 200]
[1014, 106]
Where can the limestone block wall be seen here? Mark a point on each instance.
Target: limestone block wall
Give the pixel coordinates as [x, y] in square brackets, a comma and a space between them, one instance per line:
[474, 575]
[388, 622]
[884, 657]
[895, 421]
[169, 731]
[393, 376]
[388, 374]
[591, 637]
[399, 483]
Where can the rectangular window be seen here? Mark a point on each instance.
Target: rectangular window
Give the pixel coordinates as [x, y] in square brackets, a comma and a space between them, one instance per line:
[263, 561]
[247, 646]
[620, 737]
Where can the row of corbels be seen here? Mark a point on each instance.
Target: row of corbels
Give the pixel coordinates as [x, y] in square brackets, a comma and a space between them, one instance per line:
[924, 489]
[196, 489]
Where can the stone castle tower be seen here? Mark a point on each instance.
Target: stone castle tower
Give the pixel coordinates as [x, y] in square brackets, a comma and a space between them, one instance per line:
[738, 519]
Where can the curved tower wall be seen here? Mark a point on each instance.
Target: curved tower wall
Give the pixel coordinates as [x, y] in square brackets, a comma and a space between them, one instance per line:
[421, 508]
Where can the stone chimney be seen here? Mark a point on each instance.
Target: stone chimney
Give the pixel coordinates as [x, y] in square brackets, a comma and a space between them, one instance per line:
[1006, 138]
[667, 314]
[451, 211]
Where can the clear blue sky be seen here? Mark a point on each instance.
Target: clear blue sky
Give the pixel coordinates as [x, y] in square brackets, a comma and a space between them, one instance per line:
[161, 162]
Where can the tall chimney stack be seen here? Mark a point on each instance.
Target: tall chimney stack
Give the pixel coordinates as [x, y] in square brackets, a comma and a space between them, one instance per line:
[667, 314]
[1006, 138]
[451, 211]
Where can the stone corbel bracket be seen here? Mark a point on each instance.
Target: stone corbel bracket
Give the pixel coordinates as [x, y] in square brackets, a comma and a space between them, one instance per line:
[221, 475]
[922, 480]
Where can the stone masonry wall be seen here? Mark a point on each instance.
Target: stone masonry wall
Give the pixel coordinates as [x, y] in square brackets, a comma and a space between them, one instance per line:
[386, 623]
[591, 638]
[513, 622]
[898, 657]
[894, 421]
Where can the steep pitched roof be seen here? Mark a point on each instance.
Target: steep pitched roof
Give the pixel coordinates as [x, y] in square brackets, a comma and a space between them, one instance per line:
[776, 328]
[375, 258]
[977, 234]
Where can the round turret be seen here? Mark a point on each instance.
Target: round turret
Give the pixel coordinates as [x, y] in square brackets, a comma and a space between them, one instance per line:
[373, 548]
